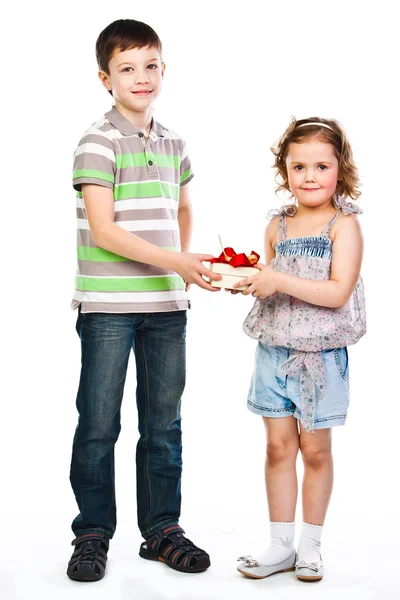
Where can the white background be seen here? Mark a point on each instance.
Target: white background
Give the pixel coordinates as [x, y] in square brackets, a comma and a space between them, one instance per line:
[236, 72]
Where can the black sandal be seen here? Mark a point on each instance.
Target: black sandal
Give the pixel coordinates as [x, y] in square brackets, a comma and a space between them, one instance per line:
[171, 547]
[88, 562]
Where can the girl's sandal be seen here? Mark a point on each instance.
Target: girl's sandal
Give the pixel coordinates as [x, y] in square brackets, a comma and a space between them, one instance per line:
[171, 547]
[309, 571]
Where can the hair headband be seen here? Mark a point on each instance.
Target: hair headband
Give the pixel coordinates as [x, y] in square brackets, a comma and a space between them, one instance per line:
[316, 123]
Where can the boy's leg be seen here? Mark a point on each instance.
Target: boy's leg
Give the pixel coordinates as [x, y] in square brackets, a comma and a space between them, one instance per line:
[160, 361]
[160, 352]
[106, 341]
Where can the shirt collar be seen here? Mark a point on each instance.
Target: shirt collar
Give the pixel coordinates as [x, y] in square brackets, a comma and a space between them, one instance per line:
[121, 123]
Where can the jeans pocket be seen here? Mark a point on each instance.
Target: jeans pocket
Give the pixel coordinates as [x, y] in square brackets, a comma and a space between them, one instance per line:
[342, 362]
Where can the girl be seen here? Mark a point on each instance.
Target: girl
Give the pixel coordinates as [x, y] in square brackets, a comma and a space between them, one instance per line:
[309, 307]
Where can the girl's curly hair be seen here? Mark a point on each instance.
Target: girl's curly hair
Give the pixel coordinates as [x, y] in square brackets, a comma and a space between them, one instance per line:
[348, 180]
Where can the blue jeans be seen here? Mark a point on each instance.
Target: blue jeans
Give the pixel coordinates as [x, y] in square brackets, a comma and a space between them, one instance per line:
[158, 342]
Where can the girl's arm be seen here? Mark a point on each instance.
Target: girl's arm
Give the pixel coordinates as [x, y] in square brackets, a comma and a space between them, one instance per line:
[347, 253]
[269, 247]
[270, 240]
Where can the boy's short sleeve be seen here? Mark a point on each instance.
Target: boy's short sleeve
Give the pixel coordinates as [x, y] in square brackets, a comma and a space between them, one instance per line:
[94, 162]
[186, 172]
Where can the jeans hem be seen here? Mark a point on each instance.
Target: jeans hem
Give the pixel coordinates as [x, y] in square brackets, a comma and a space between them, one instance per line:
[327, 422]
[157, 527]
[99, 530]
[269, 412]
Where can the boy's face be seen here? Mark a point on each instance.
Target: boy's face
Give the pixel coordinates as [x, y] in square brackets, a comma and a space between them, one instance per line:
[135, 78]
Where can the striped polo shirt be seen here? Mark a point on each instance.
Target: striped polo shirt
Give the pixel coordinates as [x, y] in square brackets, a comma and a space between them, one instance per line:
[145, 176]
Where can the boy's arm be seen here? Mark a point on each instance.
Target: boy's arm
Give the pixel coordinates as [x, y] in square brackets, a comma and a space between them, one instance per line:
[333, 293]
[99, 204]
[185, 217]
[185, 220]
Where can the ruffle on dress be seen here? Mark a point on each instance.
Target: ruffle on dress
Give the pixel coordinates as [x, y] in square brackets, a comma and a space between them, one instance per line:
[340, 203]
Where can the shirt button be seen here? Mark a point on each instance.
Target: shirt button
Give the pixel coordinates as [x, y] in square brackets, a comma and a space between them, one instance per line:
[150, 162]
[141, 134]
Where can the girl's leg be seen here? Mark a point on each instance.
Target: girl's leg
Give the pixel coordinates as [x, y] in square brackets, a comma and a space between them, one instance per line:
[316, 450]
[268, 393]
[283, 443]
[281, 483]
[317, 488]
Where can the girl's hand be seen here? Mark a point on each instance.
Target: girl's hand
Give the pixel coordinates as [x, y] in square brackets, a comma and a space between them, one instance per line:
[263, 284]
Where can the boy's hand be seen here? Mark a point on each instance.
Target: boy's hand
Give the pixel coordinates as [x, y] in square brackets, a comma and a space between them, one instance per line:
[261, 285]
[190, 267]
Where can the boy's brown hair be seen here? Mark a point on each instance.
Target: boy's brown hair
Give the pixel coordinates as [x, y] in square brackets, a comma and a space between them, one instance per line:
[122, 35]
[334, 134]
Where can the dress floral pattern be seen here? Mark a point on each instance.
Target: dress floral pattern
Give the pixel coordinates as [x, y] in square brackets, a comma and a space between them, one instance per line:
[283, 320]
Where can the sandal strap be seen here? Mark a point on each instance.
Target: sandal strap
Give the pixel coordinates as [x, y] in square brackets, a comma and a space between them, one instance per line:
[168, 549]
[88, 536]
[90, 548]
[176, 554]
[153, 542]
[180, 550]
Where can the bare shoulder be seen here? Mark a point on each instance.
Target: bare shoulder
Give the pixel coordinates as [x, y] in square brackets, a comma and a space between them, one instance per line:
[271, 231]
[346, 225]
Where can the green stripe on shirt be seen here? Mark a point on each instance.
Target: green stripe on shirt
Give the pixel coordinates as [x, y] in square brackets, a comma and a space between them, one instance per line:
[186, 175]
[101, 255]
[129, 284]
[146, 189]
[93, 174]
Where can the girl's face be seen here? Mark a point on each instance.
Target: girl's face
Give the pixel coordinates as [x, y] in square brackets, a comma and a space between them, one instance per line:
[313, 172]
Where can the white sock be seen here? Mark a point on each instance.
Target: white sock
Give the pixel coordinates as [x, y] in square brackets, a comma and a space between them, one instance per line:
[282, 544]
[309, 549]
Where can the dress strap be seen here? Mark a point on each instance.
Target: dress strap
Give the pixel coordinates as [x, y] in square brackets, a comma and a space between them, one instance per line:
[281, 230]
[326, 232]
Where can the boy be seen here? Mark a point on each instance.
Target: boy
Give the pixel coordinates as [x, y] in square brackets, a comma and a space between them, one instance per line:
[134, 216]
